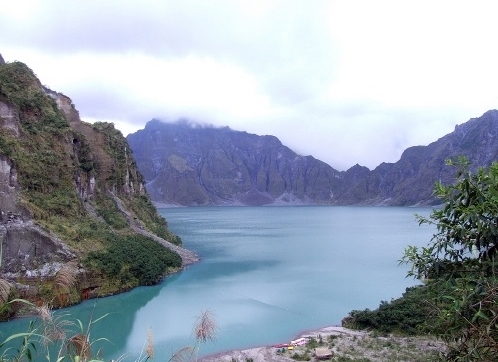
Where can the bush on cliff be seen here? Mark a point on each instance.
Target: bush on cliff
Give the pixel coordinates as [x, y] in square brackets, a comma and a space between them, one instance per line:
[133, 259]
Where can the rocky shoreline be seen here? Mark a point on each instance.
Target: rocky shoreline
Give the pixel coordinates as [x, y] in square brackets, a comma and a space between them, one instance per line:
[341, 342]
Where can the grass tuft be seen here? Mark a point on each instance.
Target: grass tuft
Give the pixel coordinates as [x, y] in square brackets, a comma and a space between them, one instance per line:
[5, 289]
[206, 327]
[150, 345]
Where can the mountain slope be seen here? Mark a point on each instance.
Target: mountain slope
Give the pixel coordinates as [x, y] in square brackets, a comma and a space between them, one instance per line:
[190, 165]
[186, 164]
[70, 191]
[410, 181]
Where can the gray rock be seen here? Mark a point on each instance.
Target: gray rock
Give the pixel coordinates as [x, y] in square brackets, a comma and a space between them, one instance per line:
[185, 164]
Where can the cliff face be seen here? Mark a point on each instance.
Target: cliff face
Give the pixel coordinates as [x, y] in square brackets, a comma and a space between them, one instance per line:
[65, 188]
[192, 165]
[202, 166]
[410, 181]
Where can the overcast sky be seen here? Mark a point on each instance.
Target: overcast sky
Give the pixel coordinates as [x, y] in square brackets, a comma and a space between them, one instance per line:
[345, 81]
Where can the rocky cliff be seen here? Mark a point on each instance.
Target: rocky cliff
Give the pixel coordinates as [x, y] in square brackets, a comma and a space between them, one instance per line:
[69, 191]
[185, 164]
[410, 181]
[191, 165]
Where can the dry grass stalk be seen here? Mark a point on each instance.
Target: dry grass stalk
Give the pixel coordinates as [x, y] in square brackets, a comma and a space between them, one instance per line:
[54, 329]
[65, 278]
[183, 355]
[5, 288]
[45, 313]
[78, 345]
[150, 345]
[205, 329]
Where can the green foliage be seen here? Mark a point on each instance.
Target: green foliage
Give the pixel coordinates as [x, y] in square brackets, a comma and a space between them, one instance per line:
[313, 342]
[107, 208]
[50, 338]
[115, 145]
[461, 259]
[466, 241]
[8, 145]
[46, 179]
[38, 112]
[133, 257]
[301, 357]
[60, 338]
[143, 208]
[351, 359]
[52, 160]
[405, 315]
[84, 152]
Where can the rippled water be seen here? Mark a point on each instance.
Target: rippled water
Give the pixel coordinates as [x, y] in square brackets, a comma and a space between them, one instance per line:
[267, 273]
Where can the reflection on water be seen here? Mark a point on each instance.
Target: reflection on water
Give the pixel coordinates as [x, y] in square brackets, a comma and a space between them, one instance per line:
[267, 273]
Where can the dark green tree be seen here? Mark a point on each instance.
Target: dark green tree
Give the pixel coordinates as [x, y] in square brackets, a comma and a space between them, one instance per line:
[461, 258]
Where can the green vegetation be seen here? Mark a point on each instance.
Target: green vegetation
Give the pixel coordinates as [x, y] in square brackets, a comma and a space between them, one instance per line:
[108, 210]
[405, 315]
[19, 86]
[143, 208]
[461, 260]
[459, 299]
[307, 353]
[55, 161]
[133, 260]
[36, 153]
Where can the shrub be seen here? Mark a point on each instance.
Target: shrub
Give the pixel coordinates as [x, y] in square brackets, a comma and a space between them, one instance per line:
[406, 315]
[461, 259]
[134, 257]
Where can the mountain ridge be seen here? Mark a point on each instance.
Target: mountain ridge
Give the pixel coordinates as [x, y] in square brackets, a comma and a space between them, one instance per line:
[187, 165]
[218, 163]
[71, 192]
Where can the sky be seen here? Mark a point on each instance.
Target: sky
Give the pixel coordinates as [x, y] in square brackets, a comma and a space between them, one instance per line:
[348, 82]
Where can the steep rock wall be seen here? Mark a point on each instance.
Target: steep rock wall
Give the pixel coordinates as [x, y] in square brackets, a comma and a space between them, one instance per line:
[187, 164]
[56, 175]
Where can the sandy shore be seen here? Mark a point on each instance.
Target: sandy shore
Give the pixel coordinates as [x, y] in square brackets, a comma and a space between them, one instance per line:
[341, 342]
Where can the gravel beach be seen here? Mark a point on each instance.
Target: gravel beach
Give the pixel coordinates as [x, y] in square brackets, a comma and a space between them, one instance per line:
[343, 342]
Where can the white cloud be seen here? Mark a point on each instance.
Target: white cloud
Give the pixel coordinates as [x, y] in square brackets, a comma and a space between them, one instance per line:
[419, 54]
[345, 81]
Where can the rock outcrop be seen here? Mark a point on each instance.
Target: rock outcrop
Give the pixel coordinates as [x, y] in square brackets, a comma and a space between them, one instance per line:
[410, 181]
[189, 165]
[66, 186]
[185, 164]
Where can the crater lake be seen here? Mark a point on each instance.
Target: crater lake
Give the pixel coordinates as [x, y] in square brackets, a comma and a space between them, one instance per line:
[266, 274]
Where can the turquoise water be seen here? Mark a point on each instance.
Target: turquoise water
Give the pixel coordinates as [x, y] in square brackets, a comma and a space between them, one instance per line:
[267, 273]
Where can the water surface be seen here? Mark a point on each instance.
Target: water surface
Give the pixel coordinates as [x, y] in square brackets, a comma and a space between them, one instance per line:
[267, 273]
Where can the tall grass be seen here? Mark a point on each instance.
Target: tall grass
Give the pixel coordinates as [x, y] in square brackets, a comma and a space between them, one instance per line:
[5, 288]
[204, 329]
[64, 280]
[55, 338]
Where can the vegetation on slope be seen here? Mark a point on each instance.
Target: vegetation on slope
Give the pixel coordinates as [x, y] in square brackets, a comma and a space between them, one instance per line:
[459, 301]
[132, 260]
[47, 188]
[404, 315]
[55, 160]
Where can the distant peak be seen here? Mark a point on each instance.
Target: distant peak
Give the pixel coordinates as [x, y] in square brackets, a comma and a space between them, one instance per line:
[492, 113]
[1, 60]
